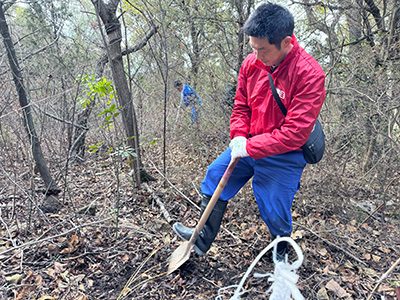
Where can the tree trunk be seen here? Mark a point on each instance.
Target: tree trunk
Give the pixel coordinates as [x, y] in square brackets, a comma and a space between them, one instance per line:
[77, 150]
[195, 30]
[50, 185]
[107, 13]
[243, 8]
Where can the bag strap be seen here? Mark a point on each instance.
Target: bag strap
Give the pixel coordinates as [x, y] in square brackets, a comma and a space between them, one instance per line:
[277, 99]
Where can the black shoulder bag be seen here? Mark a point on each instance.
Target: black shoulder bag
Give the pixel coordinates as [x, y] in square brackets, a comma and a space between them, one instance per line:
[314, 148]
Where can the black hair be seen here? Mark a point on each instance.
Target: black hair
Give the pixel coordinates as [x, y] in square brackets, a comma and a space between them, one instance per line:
[177, 83]
[271, 21]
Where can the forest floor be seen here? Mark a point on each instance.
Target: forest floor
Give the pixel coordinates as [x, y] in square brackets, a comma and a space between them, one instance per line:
[89, 250]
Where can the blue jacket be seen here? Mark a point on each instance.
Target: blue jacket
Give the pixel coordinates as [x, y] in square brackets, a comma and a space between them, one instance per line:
[189, 96]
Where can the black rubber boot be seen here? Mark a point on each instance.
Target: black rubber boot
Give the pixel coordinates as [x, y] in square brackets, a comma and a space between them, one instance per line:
[210, 229]
[282, 249]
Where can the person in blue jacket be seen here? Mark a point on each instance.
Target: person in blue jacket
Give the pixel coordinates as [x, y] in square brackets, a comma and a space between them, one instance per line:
[189, 98]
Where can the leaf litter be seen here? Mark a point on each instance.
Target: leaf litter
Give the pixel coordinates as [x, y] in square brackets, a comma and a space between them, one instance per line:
[126, 257]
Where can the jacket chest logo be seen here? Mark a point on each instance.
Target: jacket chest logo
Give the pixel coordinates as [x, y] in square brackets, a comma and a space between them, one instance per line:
[281, 94]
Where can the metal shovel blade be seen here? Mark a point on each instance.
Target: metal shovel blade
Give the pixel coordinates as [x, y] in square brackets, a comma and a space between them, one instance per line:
[180, 256]
[182, 253]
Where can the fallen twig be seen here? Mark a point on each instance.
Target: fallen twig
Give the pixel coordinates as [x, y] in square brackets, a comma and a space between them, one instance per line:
[127, 288]
[197, 191]
[52, 237]
[170, 183]
[190, 201]
[332, 244]
[8, 231]
[379, 207]
[159, 202]
[27, 195]
[384, 276]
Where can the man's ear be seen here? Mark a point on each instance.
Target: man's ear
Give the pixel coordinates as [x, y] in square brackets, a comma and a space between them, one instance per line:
[286, 41]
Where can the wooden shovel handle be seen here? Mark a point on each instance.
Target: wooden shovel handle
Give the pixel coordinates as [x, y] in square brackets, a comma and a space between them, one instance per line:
[221, 185]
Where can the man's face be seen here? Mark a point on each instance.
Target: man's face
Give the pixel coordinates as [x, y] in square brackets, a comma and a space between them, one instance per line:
[268, 54]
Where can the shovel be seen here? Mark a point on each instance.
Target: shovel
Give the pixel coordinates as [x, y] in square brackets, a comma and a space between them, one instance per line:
[182, 253]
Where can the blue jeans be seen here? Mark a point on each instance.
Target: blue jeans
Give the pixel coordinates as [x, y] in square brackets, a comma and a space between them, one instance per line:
[195, 114]
[276, 179]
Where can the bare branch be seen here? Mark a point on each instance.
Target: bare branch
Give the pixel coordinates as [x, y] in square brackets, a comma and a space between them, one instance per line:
[64, 121]
[103, 60]
[374, 10]
[53, 237]
[42, 49]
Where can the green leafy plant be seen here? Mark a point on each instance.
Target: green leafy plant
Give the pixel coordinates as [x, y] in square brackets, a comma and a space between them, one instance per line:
[123, 151]
[95, 148]
[111, 113]
[104, 91]
[153, 142]
[101, 88]
[395, 284]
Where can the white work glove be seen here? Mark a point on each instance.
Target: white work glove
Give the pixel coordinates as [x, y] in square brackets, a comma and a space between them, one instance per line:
[238, 147]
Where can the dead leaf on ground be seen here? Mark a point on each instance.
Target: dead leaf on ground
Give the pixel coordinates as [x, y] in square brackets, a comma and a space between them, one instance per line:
[333, 286]
[14, 279]
[297, 235]
[322, 252]
[370, 272]
[376, 258]
[249, 233]
[59, 267]
[295, 214]
[323, 294]
[384, 250]
[73, 245]
[351, 228]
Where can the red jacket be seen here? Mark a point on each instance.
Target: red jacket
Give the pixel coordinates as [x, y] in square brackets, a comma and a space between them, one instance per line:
[300, 82]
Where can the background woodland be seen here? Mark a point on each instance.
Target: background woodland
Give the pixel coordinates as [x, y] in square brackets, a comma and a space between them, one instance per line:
[97, 159]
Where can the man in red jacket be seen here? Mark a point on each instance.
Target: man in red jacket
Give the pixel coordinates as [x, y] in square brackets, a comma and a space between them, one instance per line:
[267, 143]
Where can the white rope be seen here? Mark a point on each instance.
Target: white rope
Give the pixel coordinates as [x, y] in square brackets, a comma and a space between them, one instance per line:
[284, 278]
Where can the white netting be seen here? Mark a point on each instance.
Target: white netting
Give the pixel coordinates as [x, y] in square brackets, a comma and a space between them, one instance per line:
[284, 277]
